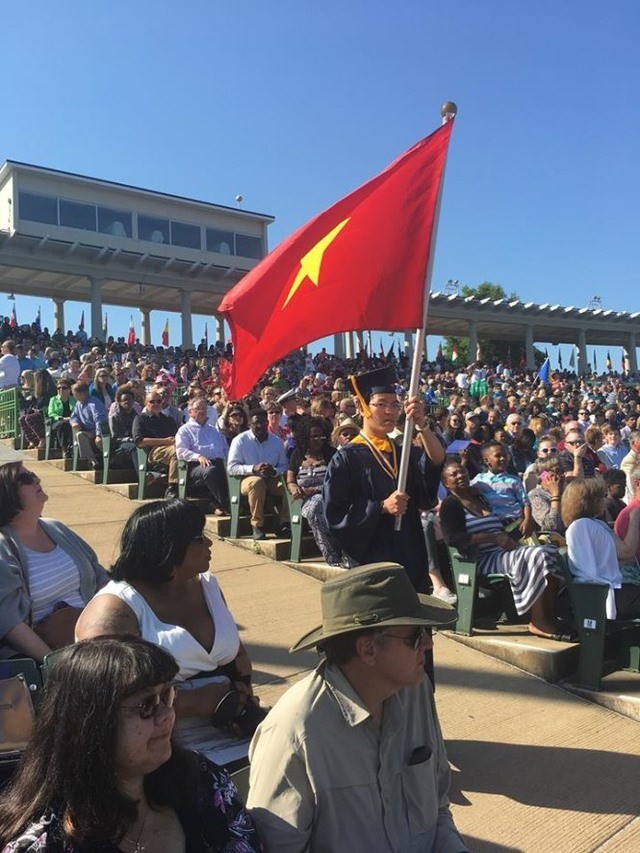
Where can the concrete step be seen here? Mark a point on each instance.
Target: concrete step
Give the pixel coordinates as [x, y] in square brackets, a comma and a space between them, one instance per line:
[61, 464]
[271, 547]
[513, 644]
[221, 525]
[620, 692]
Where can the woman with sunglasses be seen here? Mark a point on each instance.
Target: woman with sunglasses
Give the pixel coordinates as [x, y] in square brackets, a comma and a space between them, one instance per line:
[163, 591]
[305, 477]
[101, 771]
[546, 496]
[59, 412]
[233, 421]
[102, 387]
[48, 572]
[469, 524]
[547, 449]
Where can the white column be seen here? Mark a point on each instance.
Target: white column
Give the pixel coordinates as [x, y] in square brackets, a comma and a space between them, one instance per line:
[96, 307]
[473, 340]
[58, 316]
[187, 330]
[219, 328]
[348, 340]
[583, 360]
[633, 356]
[338, 345]
[145, 327]
[528, 353]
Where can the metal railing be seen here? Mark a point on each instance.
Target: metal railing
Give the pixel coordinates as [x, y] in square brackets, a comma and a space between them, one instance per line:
[9, 413]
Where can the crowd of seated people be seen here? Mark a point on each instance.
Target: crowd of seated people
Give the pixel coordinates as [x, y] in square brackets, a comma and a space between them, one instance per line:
[520, 441]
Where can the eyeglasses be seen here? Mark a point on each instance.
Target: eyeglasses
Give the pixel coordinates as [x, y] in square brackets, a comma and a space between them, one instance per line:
[389, 407]
[548, 450]
[575, 443]
[27, 478]
[150, 705]
[415, 639]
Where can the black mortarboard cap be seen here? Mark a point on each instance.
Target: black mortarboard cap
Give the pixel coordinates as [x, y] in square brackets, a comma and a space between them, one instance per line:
[380, 381]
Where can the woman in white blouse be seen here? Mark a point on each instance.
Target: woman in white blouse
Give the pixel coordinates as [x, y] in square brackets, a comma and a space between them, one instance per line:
[594, 550]
[163, 591]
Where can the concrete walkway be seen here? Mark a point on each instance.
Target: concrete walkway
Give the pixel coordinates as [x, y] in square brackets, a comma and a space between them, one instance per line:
[535, 769]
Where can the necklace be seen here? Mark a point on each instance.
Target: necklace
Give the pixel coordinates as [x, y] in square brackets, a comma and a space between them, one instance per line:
[139, 848]
[390, 468]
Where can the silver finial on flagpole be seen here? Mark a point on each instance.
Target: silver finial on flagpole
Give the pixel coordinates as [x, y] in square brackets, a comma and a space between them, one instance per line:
[448, 111]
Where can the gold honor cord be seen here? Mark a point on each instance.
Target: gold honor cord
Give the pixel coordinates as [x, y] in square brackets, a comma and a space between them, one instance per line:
[383, 462]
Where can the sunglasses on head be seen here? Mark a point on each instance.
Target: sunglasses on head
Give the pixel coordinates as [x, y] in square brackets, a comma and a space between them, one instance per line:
[150, 705]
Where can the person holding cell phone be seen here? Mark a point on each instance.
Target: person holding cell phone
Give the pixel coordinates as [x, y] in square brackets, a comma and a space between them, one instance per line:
[259, 458]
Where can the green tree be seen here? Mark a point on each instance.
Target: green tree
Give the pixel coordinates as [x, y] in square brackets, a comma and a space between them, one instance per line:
[490, 349]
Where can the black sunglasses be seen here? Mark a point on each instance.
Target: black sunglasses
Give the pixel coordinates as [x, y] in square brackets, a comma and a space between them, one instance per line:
[27, 478]
[415, 638]
[150, 705]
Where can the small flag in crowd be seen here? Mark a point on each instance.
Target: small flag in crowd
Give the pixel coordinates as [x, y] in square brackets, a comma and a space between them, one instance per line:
[13, 320]
[81, 323]
[131, 337]
[560, 358]
[206, 336]
[478, 352]
[543, 373]
[105, 327]
[572, 360]
[607, 363]
[454, 352]
[165, 334]
[595, 362]
[38, 322]
[439, 353]
[624, 361]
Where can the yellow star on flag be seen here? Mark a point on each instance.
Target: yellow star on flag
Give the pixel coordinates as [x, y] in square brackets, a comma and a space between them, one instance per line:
[310, 263]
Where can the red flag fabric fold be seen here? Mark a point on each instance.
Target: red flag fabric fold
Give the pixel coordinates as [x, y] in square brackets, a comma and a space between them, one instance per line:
[360, 264]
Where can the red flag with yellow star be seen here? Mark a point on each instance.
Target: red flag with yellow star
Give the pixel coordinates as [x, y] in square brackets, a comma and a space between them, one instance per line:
[361, 264]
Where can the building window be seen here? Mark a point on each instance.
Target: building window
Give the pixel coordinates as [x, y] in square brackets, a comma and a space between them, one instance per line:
[38, 208]
[219, 241]
[73, 214]
[185, 235]
[248, 246]
[152, 229]
[114, 222]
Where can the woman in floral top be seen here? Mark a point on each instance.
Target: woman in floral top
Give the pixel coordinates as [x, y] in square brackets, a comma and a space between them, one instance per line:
[101, 774]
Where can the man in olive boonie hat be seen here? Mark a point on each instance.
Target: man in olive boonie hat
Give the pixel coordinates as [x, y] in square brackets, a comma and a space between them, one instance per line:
[352, 758]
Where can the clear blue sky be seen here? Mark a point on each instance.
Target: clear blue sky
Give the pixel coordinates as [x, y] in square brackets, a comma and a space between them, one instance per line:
[294, 104]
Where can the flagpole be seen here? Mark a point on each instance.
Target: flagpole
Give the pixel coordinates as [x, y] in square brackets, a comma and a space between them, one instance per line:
[447, 111]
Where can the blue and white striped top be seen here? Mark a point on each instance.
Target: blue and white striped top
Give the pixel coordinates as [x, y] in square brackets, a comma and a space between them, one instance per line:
[53, 578]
